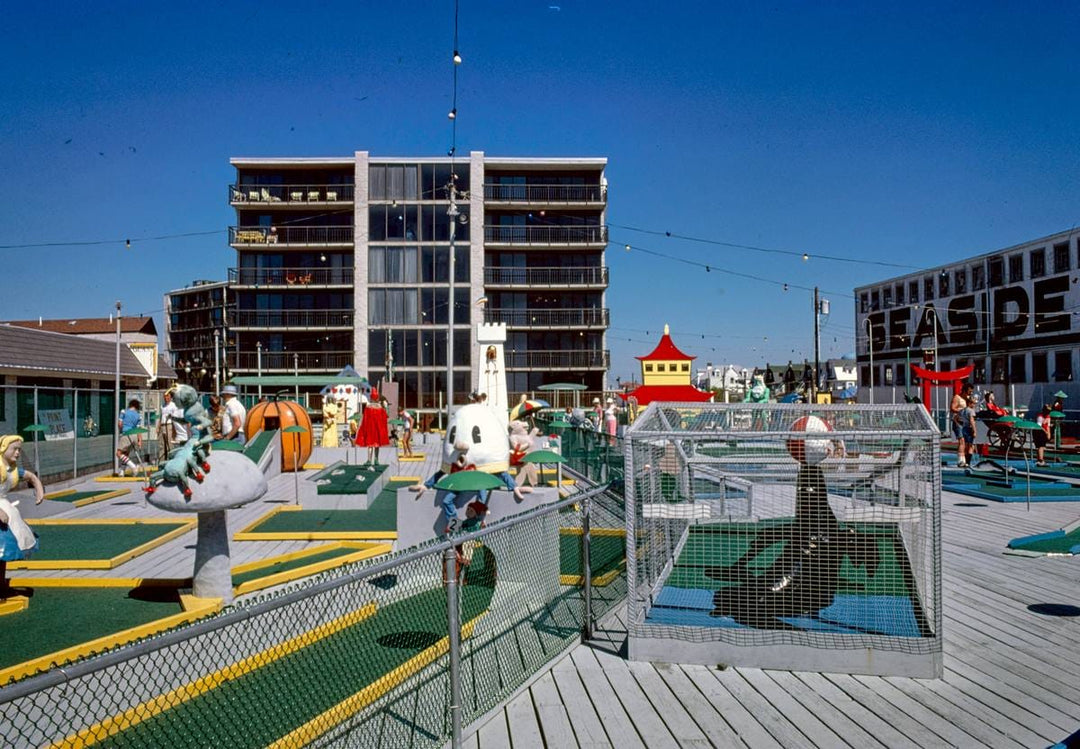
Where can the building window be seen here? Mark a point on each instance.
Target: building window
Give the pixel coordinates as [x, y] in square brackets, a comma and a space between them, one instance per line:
[913, 292]
[901, 374]
[979, 373]
[864, 303]
[1038, 263]
[1063, 366]
[960, 281]
[978, 278]
[1062, 258]
[886, 297]
[875, 301]
[888, 375]
[943, 284]
[997, 271]
[899, 295]
[865, 376]
[686, 367]
[1017, 368]
[648, 368]
[997, 369]
[1016, 268]
[928, 288]
[1039, 370]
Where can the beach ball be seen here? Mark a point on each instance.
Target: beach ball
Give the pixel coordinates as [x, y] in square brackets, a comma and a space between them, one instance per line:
[810, 451]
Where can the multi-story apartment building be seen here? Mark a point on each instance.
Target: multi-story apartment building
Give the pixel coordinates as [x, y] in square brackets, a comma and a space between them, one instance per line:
[347, 261]
[196, 319]
[1011, 315]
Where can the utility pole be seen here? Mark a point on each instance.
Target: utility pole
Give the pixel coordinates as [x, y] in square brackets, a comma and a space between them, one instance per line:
[817, 346]
[217, 361]
[116, 397]
[453, 213]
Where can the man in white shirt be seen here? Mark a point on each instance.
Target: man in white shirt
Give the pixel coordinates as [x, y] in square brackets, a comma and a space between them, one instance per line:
[174, 429]
[235, 415]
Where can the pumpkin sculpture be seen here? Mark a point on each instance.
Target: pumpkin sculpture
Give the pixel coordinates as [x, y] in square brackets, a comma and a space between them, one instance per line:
[279, 415]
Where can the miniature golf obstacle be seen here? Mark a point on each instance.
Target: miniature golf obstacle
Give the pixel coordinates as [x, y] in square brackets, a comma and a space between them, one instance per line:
[296, 446]
[232, 481]
[788, 536]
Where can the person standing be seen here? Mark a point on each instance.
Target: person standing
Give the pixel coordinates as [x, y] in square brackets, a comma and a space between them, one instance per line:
[130, 418]
[611, 420]
[1042, 435]
[406, 431]
[173, 430]
[235, 415]
[956, 408]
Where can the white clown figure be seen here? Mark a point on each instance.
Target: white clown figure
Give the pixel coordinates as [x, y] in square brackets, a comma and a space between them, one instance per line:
[475, 441]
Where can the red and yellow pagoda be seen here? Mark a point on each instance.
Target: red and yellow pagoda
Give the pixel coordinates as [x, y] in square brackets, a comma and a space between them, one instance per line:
[666, 375]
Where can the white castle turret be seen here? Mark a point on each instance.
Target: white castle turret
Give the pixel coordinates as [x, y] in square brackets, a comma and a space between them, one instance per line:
[491, 367]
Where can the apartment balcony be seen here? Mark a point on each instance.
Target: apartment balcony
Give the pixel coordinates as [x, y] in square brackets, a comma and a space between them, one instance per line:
[558, 360]
[287, 278]
[546, 278]
[556, 196]
[296, 236]
[289, 361]
[291, 319]
[277, 196]
[591, 317]
[546, 236]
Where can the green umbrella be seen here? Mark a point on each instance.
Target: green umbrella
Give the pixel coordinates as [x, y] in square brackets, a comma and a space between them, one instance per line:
[1009, 420]
[1057, 415]
[1061, 394]
[468, 481]
[294, 429]
[543, 456]
[135, 430]
[1023, 424]
[396, 422]
[36, 428]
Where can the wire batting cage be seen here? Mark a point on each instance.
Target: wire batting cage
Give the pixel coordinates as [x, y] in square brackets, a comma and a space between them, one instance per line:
[785, 536]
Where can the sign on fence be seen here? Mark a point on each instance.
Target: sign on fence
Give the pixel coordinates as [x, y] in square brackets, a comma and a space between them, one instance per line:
[57, 423]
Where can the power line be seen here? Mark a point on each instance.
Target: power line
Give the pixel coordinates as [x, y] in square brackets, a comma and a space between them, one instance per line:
[772, 251]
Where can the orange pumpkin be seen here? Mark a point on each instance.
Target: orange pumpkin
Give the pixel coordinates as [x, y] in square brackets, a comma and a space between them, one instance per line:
[278, 415]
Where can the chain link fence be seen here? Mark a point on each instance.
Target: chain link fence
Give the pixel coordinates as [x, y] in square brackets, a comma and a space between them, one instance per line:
[398, 652]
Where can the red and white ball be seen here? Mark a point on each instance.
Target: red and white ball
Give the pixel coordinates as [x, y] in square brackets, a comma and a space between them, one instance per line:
[810, 451]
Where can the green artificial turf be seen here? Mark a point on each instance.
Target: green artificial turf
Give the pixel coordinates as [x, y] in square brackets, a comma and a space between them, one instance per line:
[381, 515]
[59, 618]
[1062, 544]
[260, 707]
[722, 547]
[105, 541]
[1019, 488]
[605, 554]
[292, 564]
[76, 496]
[351, 480]
[259, 445]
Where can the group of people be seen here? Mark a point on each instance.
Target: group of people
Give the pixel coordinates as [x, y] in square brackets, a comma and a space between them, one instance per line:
[227, 414]
[962, 412]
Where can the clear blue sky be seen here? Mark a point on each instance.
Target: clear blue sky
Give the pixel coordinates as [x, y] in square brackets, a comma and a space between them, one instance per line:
[910, 133]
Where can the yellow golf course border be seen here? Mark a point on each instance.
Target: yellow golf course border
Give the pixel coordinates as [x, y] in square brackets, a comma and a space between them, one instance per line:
[248, 533]
[185, 526]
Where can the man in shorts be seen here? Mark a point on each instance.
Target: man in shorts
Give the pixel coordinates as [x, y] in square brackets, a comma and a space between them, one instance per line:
[130, 418]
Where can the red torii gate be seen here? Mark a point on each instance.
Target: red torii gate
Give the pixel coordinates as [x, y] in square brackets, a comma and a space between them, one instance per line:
[930, 378]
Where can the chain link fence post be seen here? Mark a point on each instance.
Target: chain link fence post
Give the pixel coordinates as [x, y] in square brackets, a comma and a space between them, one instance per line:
[586, 567]
[453, 615]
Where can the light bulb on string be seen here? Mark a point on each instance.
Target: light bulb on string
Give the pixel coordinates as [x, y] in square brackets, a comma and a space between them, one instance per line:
[457, 57]
[452, 114]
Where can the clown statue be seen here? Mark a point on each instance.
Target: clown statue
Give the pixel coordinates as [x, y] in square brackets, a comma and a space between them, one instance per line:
[475, 441]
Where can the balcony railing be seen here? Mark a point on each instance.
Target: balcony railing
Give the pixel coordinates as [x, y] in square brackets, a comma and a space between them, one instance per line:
[283, 361]
[546, 235]
[549, 318]
[550, 194]
[291, 235]
[291, 276]
[289, 194]
[554, 360]
[546, 277]
[291, 318]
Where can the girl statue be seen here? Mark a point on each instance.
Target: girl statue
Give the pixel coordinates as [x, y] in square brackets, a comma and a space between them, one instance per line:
[17, 541]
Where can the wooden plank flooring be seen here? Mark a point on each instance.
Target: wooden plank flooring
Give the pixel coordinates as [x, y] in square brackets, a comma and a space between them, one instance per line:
[1011, 678]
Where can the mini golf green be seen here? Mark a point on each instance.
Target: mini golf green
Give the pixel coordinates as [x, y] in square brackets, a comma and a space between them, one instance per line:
[60, 618]
[96, 541]
[381, 515]
[351, 480]
[88, 497]
[290, 564]
[724, 547]
[1055, 542]
[606, 553]
[259, 445]
[1018, 491]
[259, 707]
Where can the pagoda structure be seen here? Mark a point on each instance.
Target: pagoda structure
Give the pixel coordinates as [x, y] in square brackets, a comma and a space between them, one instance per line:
[665, 376]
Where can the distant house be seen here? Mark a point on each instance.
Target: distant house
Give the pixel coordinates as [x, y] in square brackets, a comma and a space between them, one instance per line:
[729, 378]
[840, 374]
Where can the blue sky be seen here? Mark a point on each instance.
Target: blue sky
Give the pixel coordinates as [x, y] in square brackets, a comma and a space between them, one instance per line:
[906, 133]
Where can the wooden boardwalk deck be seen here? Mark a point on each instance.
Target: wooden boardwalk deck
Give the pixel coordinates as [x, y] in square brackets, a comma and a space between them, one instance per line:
[1012, 670]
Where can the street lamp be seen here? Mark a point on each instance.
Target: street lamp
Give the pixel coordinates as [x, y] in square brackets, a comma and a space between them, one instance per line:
[870, 347]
